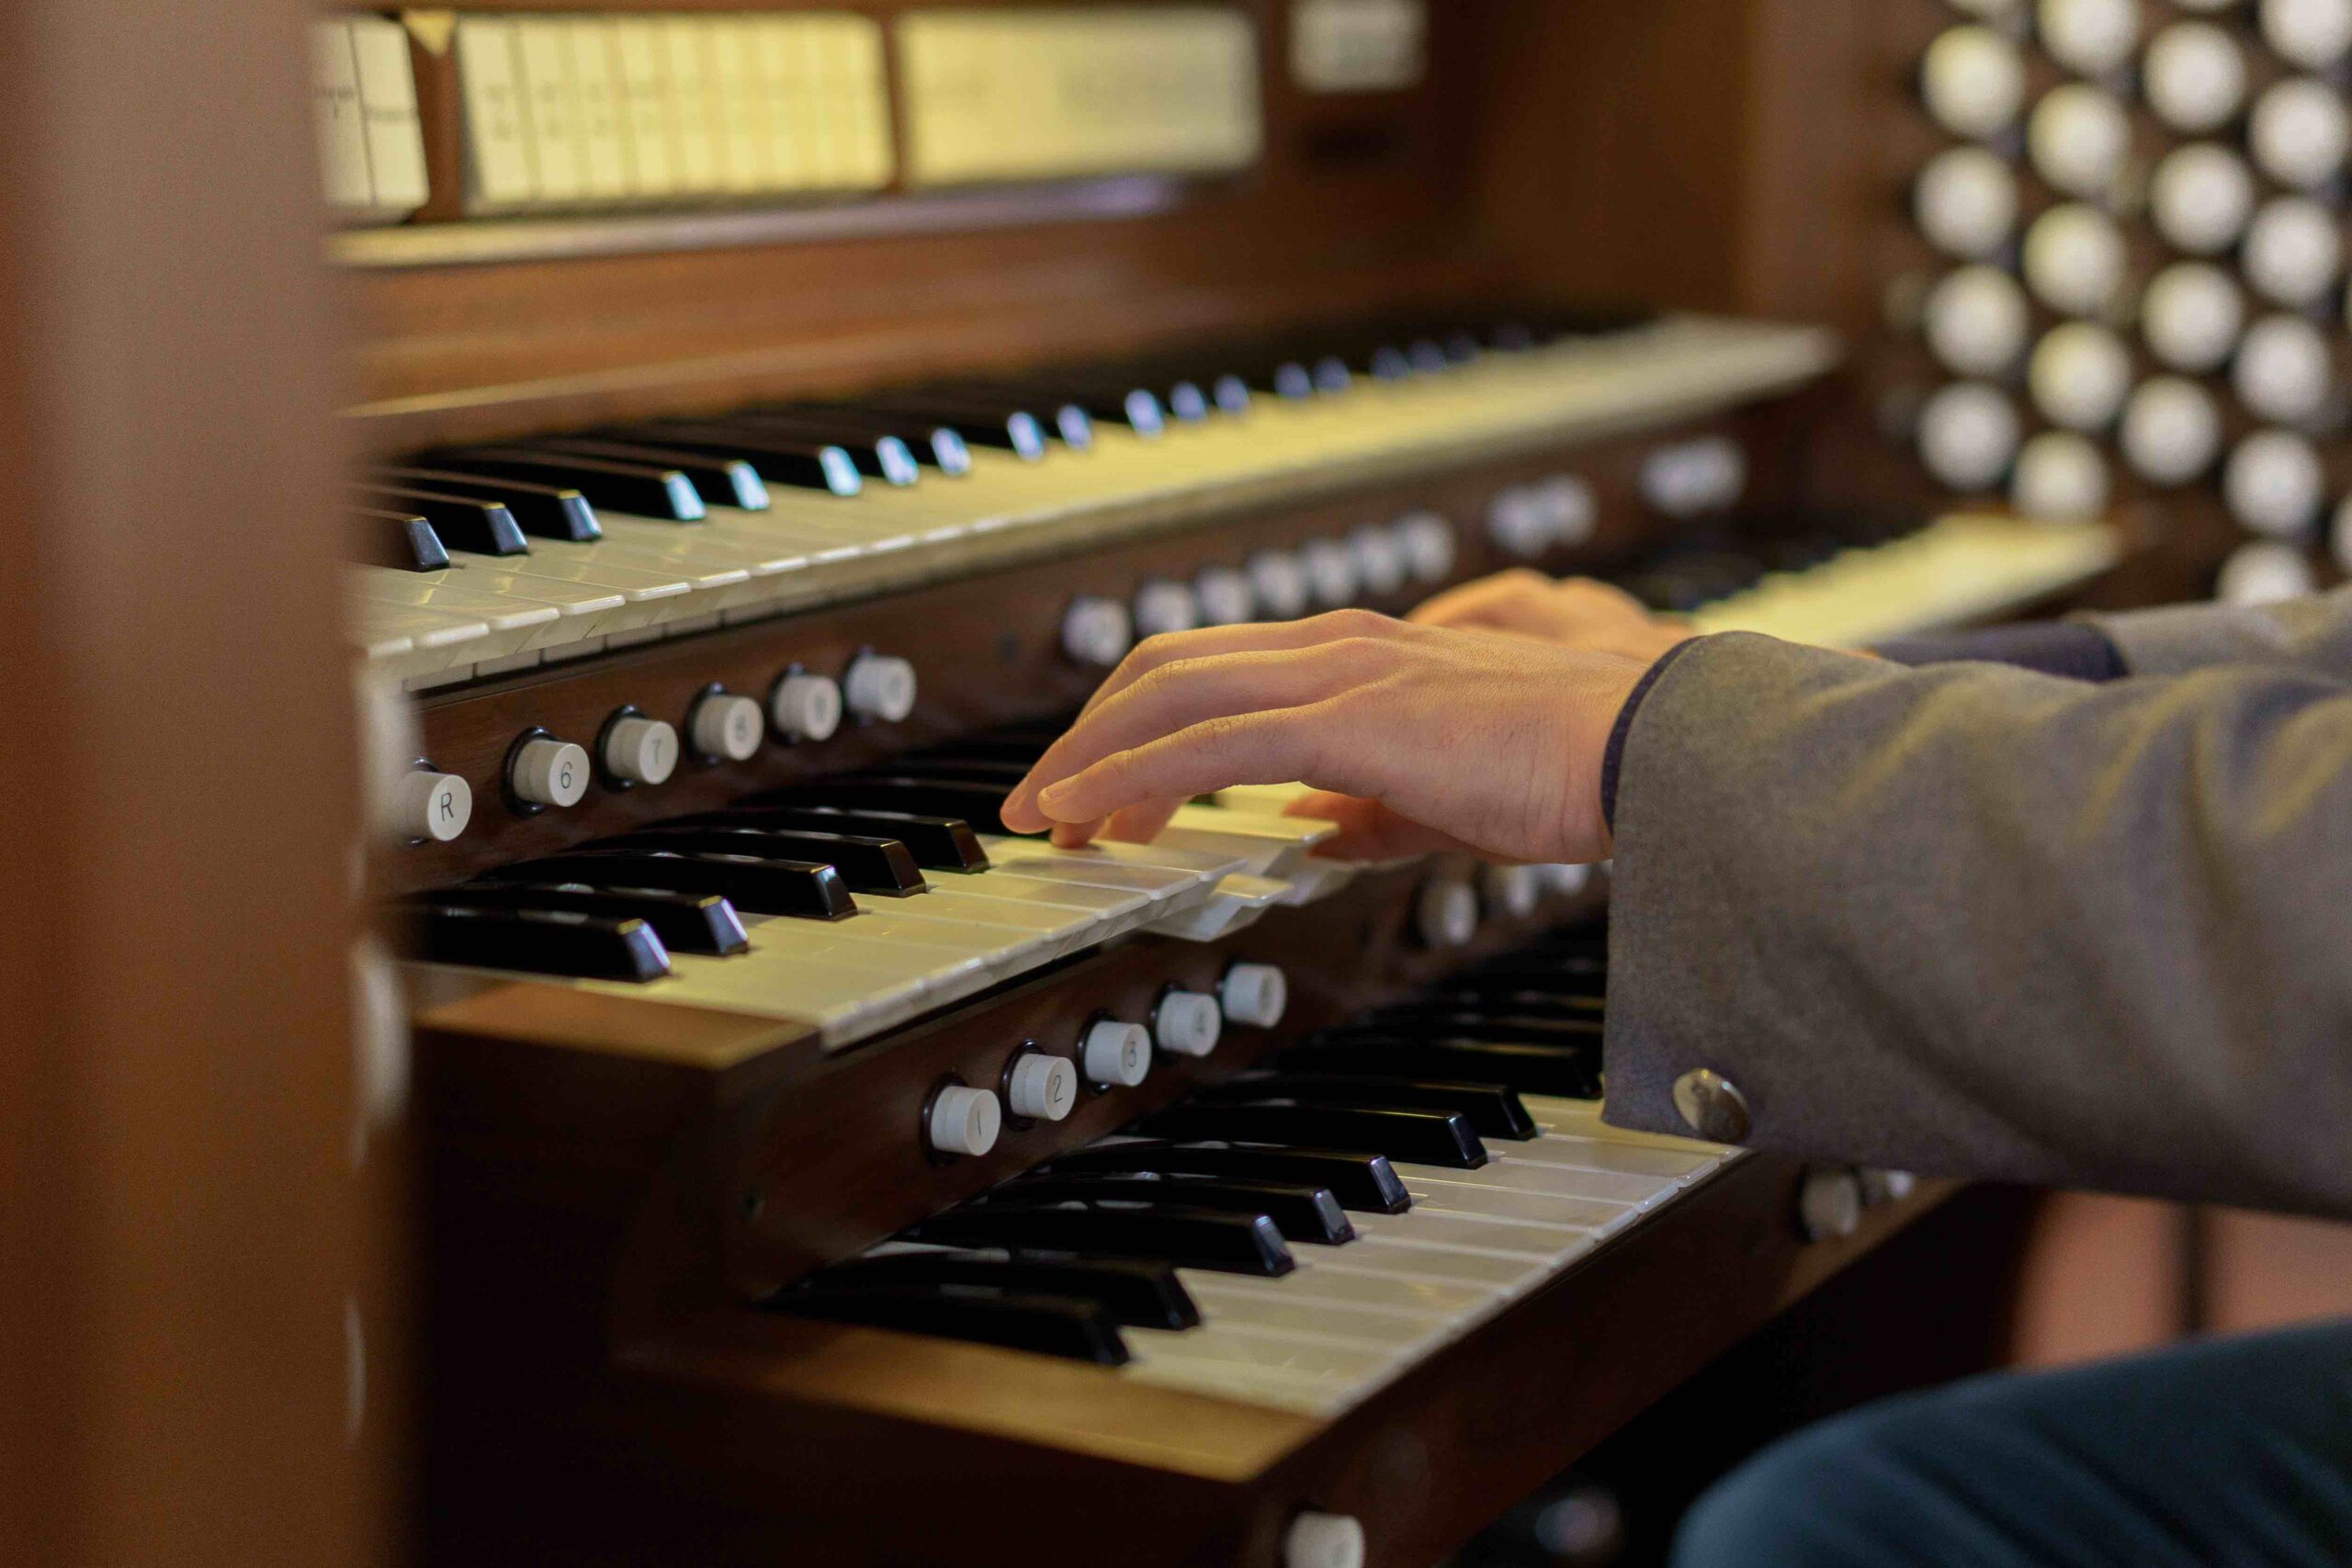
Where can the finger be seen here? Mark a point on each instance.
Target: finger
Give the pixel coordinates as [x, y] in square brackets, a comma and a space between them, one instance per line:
[1211, 642]
[1255, 747]
[1075, 835]
[1142, 824]
[1372, 831]
[1475, 601]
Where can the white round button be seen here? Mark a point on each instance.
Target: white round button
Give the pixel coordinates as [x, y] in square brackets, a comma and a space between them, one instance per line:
[1445, 913]
[965, 1120]
[641, 751]
[2079, 376]
[2284, 369]
[880, 688]
[2074, 259]
[1566, 880]
[1330, 573]
[2078, 138]
[1324, 1540]
[806, 707]
[2060, 478]
[1097, 631]
[1162, 607]
[1042, 1087]
[2200, 197]
[2300, 132]
[2092, 37]
[2171, 430]
[1966, 202]
[1513, 890]
[1517, 523]
[2340, 534]
[724, 725]
[1187, 1022]
[1380, 565]
[2312, 34]
[1829, 1203]
[1114, 1052]
[2191, 316]
[1974, 80]
[1566, 508]
[1427, 541]
[2293, 250]
[2195, 76]
[433, 805]
[550, 773]
[1280, 584]
[1254, 993]
[1968, 434]
[2274, 484]
[2264, 573]
[1224, 597]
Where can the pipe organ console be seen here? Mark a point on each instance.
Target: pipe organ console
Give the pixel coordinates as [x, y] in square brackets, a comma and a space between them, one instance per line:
[773, 422]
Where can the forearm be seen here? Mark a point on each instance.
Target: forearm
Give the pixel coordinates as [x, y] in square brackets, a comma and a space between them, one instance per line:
[1987, 922]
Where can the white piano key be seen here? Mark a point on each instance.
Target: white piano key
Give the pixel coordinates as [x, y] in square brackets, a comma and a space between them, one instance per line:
[1345, 1364]
[1380, 1254]
[1581, 1118]
[376, 623]
[1356, 1325]
[1572, 1151]
[1484, 1201]
[1322, 1275]
[1085, 868]
[1270, 1387]
[1063, 929]
[583, 565]
[1438, 1225]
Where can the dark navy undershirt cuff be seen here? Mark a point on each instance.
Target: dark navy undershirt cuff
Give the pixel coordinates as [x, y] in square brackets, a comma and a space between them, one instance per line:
[2075, 649]
[1617, 733]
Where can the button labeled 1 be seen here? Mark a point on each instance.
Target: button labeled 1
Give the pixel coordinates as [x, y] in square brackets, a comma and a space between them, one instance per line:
[964, 1120]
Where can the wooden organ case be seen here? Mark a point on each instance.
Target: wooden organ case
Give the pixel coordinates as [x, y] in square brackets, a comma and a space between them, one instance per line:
[839, 338]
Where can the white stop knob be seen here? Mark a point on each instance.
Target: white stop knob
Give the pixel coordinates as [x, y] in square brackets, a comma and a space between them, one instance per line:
[1566, 508]
[1331, 573]
[806, 707]
[2195, 76]
[2075, 258]
[1445, 914]
[1224, 597]
[2078, 138]
[1968, 434]
[965, 1120]
[1043, 1088]
[2264, 573]
[549, 772]
[1515, 521]
[724, 725]
[1566, 881]
[1163, 607]
[1977, 321]
[2293, 250]
[2202, 197]
[2284, 369]
[1097, 631]
[1427, 541]
[1116, 1053]
[2191, 316]
[1512, 890]
[1974, 80]
[641, 751]
[1187, 1022]
[2274, 484]
[1380, 565]
[2060, 478]
[2079, 376]
[1254, 993]
[2172, 432]
[1280, 582]
[432, 805]
[1966, 202]
[880, 688]
[1829, 1203]
[2300, 132]
[2091, 37]
[2312, 34]
[1324, 1540]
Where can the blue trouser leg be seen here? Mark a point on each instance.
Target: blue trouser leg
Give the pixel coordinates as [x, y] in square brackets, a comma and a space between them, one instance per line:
[2227, 1453]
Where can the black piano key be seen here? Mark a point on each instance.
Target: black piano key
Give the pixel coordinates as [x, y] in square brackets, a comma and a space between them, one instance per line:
[933, 445]
[1131, 404]
[720, 481]
[1361, 1181]
[1494, 1112]
[958, 769]
[980, 804]
[544, 511]
[1311, 1214]
[1418, 1137]
[937, 843]
[876, 456]
[780, 458]
[702, 923]
[1189, 1238]
[650, 490]
[868, 865]
[540, 942]
[1529, 1069]
[1017, 432]
[1499, 1028]
[1046, 1325]
[1066, 418]
[759, 887]
[485, 527]
[399, 539]
[1138, 1293]
[1571, 995]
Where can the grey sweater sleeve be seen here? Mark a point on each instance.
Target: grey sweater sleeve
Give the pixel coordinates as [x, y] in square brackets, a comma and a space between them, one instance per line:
[2313, 634]
[1981, 922]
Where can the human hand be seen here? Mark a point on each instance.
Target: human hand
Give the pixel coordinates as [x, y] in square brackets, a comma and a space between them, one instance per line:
[1423, 738]
[1575, 612]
